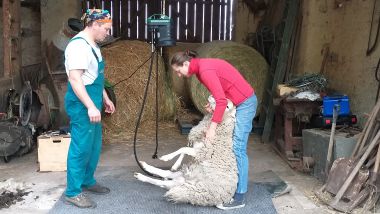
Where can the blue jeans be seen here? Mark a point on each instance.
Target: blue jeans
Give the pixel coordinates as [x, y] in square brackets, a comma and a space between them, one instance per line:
[245, 113]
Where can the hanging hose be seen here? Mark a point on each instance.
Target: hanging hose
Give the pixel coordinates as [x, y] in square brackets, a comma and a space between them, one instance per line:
[132, 73]
[141, 112]
[155, 153]
[151, 58]
[378, 79]
[371, 49]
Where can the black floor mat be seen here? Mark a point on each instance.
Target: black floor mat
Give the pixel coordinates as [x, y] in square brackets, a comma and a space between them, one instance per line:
[132, 196]
[274, 184]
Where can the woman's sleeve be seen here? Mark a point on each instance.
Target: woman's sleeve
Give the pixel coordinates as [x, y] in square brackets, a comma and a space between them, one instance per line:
[212, 83]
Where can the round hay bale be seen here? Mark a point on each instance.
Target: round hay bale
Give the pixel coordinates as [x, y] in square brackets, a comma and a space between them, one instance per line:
[122, 59]
[245, 59]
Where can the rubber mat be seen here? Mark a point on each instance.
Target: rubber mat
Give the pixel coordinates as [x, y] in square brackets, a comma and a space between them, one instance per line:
[132, 196]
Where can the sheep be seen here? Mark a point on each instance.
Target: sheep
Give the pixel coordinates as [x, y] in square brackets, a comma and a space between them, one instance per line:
[210, 178]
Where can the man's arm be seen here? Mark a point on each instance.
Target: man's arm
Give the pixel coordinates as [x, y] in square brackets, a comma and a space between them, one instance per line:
[80, 91]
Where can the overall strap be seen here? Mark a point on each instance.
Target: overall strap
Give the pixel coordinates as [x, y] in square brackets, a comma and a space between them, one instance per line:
[93, 51]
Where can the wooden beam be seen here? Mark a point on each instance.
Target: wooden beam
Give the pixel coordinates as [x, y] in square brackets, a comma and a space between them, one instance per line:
[11, 37]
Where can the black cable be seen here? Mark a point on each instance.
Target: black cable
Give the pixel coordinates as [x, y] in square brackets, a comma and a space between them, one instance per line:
[151, 58]
[140, 115]
[155, 153]
[378, 79]
[133, 72]
[371, 49]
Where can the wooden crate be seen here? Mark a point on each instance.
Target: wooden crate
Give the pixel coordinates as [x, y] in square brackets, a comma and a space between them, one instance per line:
[52, 152]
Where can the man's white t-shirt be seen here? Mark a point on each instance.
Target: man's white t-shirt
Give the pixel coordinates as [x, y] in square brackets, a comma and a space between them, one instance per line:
[79, 56]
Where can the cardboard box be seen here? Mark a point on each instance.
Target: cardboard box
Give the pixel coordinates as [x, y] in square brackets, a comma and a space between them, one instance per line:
[52, 152]
[283, 90]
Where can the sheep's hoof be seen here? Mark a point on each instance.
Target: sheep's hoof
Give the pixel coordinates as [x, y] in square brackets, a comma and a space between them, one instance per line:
[143, 164]
[137, 175]
[165, 158]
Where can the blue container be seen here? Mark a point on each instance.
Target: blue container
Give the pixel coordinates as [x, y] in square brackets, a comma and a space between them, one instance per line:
[330, 101]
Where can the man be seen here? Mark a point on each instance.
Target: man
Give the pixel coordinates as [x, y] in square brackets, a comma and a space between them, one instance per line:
[83, 102]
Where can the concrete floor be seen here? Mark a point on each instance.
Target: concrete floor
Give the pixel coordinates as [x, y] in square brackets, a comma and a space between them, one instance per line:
[117, 157]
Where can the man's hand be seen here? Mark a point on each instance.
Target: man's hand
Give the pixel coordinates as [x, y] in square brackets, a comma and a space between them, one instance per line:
[94, 115]
[109, 106]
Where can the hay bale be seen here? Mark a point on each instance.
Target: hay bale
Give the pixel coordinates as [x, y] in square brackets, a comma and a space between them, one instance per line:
[244, 58]
[122, 59]
[180, 86]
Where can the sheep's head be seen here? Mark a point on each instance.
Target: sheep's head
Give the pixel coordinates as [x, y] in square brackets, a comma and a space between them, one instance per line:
[230, 109]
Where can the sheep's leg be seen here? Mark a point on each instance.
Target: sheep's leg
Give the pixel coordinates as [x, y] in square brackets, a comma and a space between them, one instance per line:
[160, 172]
[167, 184]
[178, 162]
[184, 150]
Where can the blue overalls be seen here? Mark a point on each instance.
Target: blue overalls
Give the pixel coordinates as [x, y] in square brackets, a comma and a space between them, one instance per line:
[86, 137]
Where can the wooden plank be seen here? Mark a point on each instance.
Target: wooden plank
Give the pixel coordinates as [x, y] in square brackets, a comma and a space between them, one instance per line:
[182, 21]
[11, 37]
[97, 4]
[124, 19]
[215, 20]
[133, 15]
[142, 19]
[154, 7]
[174, 13]
[199, 21]
[222, 22]
[7, 62]
[228, 24]
[116, 18]
[281, 64]
[84, 6]
[207, 21]
[91, 4]
[233, 15]
[190, 22]
[107, 5]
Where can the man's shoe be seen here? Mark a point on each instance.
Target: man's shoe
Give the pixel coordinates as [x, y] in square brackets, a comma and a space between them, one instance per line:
[97, 189]
[81, 201]
[233, 204]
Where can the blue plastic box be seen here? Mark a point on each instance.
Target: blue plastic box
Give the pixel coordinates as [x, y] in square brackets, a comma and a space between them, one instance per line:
[330, 101]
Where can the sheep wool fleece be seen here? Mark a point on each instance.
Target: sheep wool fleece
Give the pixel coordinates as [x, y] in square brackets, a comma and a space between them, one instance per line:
[86, 137]
[216, 160]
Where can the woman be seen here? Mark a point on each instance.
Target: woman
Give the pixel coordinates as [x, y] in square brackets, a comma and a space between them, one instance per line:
[224, 82]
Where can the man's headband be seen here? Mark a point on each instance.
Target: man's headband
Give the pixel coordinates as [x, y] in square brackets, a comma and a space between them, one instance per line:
[97, 15]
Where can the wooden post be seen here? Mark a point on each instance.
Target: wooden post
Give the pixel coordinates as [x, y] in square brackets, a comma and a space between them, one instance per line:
[11, 37]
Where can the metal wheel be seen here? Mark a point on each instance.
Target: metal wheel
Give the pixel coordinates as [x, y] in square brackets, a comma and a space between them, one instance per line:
[25, 108]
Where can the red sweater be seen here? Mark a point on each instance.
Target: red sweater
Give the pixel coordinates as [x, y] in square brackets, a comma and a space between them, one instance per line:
[223, 81]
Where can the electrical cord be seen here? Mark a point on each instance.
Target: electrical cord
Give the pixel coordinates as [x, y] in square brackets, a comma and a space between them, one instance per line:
[132, 73]
[378, 79]
[151, 58]
[141, 112]
[371, 49]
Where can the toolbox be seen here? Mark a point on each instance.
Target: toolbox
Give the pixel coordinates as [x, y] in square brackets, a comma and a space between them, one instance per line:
[330, 101]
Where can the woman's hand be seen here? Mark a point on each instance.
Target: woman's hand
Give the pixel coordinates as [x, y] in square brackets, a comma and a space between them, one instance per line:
[210, 133]
[208, 108]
